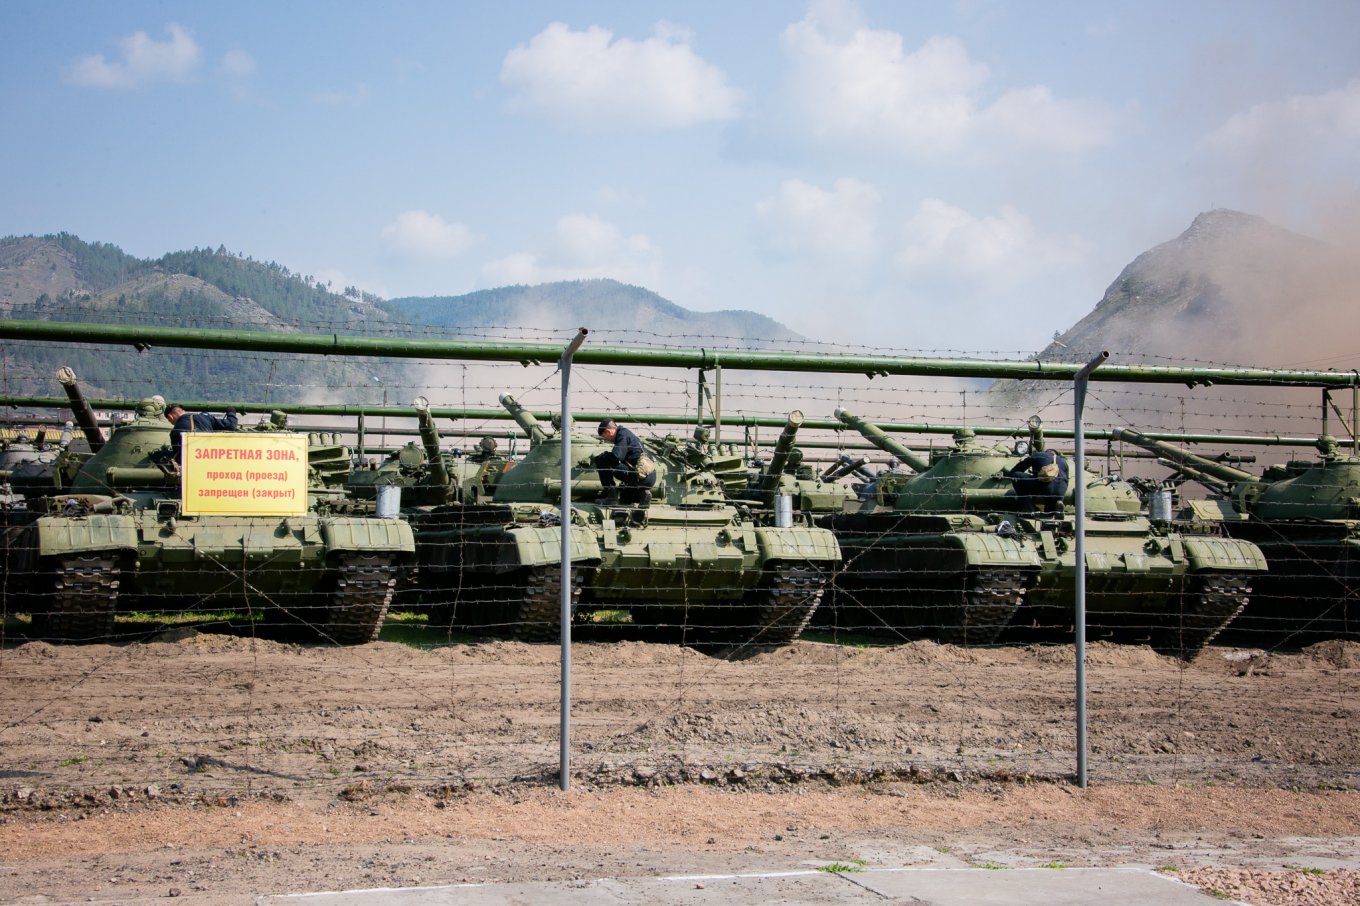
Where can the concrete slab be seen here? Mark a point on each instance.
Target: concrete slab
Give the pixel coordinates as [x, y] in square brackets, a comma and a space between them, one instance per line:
[930, 887]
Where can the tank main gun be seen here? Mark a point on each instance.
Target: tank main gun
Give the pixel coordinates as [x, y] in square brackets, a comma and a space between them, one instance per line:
[1193, 464]
[783, 449]
[429, 436]
[846, 466]
[876, 436]
[84, 415]
[525, 419]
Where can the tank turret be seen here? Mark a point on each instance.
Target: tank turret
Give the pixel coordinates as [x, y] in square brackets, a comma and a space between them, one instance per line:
[84, 416]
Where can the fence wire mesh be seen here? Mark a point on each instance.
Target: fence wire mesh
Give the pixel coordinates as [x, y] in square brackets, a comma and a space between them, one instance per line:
[908, 617]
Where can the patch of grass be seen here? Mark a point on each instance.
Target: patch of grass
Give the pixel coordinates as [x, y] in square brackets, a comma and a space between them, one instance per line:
[185, 617]
[1305, 870]
[1217, 894]
[843, 868]
[1169, 869]
[845, 639]
[75, 759]
[1055, 865]
[992, 866]
[608, 616]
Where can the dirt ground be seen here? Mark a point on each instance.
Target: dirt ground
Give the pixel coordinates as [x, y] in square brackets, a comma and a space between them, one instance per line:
[212, 767]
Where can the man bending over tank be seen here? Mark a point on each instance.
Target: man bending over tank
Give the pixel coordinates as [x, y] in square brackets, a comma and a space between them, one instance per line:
[1040, 481]
[627, 473]
[197, 421]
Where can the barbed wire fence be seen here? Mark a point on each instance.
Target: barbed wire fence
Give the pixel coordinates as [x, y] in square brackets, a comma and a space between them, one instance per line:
[714, 645]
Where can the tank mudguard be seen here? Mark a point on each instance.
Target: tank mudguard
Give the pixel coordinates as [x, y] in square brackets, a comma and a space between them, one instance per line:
[98, 532]
[542, 545]
[1228, 554]
[343, 533]
[799, 543]
[991, 549]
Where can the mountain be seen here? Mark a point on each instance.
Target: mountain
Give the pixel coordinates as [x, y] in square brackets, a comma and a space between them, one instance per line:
[1232, 289]
[621, 313]
[62, 278]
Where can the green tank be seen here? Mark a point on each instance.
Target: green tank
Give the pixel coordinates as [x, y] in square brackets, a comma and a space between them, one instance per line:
[787, 476]
[953, 553]
[693, 563]
[1304, 515]
[116, 539]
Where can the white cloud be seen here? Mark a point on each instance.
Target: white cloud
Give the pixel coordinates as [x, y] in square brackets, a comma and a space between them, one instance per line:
[583, 247]
[237, 64]
[420, 234]
[351, 97]
[143, 60]
[840, 225]
[856, 84]
[590, 76]
[942, 241]
[1330, 117]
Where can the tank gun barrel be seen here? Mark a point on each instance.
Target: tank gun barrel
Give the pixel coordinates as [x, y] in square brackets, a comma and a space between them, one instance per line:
[429, 436]
[1184, 458]
[780, 458]
[525, 419]
[876, 436]
[84, 415]
[843, 467]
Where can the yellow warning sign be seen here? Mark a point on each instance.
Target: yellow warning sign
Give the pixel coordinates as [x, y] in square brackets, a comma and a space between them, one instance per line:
[244, 474]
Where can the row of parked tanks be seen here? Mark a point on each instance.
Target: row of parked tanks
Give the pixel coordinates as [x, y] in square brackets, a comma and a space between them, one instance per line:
[724, 555]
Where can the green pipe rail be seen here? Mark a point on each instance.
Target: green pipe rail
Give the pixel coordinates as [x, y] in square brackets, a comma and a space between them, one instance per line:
[142, 337]
[647, 418]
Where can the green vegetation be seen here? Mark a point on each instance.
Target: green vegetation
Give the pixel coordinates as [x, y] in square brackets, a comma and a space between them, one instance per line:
[841, 868]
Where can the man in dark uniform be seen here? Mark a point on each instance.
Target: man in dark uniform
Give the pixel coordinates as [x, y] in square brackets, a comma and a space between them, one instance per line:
[198, 421]
[1040, 480]
[627, 473]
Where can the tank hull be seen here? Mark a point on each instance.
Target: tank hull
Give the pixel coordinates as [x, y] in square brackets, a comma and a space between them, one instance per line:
[332, 574]
[967, 580]
[1312, 591]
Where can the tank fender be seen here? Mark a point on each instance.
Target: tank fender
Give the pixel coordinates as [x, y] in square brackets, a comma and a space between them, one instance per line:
[542, 546]
[96, 532]
[991, 549]
[1224, 554]
[797, 543]
[343, 533]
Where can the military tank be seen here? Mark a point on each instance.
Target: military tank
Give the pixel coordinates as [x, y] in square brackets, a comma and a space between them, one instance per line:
[953, 553]
[692, 564]
[117, 539]
[1304, 515]
[787, 476]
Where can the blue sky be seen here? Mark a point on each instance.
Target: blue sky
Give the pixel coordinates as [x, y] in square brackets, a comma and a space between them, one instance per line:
[965, 176]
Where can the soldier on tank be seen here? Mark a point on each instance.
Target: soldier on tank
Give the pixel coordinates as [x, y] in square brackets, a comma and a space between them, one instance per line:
[1040, 479]
[197, 421]
[627, 473]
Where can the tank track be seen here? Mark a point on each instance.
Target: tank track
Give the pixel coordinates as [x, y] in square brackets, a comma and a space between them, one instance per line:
[989, 599]
[773, 614]
[784, 605]
[85, 596]
[1209, 602]
[524, 605]
[357, 605]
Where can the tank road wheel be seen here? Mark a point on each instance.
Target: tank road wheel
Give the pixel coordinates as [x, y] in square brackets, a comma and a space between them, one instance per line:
[538, 617]
[85, 596]
[777, 611]
[524, 604]
[982, 608]
[358, 604]
[1209, 602]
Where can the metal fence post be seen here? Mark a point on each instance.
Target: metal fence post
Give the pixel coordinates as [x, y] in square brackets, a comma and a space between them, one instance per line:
[1079, 498]
[564, 524]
